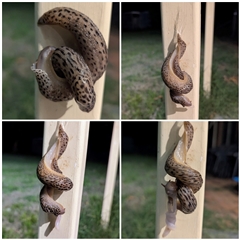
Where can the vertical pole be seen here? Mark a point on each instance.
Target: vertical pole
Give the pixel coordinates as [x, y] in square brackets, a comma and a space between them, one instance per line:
[208, 47]
[169, 133]
[111, 176]
[215, 134]
[184, 18]
[100, 13]
[72, 163]
[229, 133]
[220, 133]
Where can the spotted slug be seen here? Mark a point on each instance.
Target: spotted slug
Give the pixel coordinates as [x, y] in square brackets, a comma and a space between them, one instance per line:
[188, 180]
[67, 72]
[49, 173]
[179, 82]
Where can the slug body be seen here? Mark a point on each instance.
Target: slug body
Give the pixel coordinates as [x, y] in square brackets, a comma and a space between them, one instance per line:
[178, 81]
[51, 176]
[188, 181]
[67, 72]
[50, 85]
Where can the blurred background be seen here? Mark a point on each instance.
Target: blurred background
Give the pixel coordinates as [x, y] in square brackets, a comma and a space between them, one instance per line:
[139, 180]
[22, 151]
[142, 58]
[19, 52]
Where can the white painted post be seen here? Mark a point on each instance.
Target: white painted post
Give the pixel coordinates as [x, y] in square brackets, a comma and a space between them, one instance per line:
[186, 19]
[100, 13]
[111, 176]
[72, 163]
[169, 133]
[208, 47]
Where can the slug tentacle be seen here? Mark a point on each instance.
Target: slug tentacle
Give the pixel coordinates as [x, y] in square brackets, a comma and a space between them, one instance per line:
[51, 176]
[178, 81]
[188, 180]
[72, 70]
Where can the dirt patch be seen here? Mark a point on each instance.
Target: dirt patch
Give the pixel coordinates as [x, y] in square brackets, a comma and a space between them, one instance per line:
[221, 196]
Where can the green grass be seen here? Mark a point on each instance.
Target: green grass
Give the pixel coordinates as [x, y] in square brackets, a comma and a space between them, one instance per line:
[217, 226]
[223, 101]
[20, 198]
[110, 109]
[139, 178]
[18, 54]
[94, 183]
[90, 221]
[222, 223]
[143, 89]
[21, 205]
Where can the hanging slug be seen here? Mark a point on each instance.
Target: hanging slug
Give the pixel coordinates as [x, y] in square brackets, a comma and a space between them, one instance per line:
[51, 176]
[188, 181]
[68, 72]
[178, 81]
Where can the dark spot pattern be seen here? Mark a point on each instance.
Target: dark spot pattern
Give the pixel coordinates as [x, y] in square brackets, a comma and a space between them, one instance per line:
[86, 33]
[83, 68]
[53, 178]
[179, 82]
[188, 180]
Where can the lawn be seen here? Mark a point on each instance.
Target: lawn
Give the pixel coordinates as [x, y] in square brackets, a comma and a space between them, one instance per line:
[20, 196]
[139, 179]
[143, 89]
[18, 54]
[21, 204]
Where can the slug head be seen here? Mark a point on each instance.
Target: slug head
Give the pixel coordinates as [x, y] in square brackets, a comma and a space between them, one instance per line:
[85, 97]
[77, 73]
[171, 189]
[180, 99]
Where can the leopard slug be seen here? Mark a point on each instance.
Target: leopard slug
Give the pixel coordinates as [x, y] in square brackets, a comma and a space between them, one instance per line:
[67, 72]
[188, 181]
[178, 81]
[51, 176]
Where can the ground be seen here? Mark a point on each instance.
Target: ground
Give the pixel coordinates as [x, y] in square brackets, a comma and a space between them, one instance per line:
[221, 208]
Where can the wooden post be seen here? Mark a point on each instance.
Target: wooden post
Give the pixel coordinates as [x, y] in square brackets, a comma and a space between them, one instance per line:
[111, 177]
[186, 19]
[229, 133]
[72, 163]
[208, 47]
[220, 140]
[100, 13]
[215, 134]
[169, 133]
